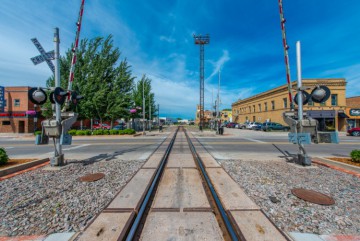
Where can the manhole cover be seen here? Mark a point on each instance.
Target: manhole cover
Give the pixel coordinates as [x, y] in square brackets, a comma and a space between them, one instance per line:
[92, 177]
[312, 196]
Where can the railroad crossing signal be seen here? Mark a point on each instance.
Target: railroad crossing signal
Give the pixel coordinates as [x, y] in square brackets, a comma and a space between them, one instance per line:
[44, 56]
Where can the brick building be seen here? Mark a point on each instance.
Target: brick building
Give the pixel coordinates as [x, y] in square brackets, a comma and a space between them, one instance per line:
[19, 112]
[353, 111]
[269, 105]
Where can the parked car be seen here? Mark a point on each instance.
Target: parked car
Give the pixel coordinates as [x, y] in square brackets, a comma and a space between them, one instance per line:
[101, 126]
[270, 126]
[354, 131]
[257, 127]
[240, 126]
[231, 125]
[251, 124]
[121, 126]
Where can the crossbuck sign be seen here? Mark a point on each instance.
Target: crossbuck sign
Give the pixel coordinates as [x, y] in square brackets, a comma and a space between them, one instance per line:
[44, 56]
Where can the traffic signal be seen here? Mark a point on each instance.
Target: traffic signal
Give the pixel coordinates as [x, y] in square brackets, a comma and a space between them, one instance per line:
[60, 95]
[75, 97]
[37, 96]
[305, 97]
[51, 97]
[320, 94]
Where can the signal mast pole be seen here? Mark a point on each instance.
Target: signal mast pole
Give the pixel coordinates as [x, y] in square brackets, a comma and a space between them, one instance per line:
[73, 61]
[286, 47]
[201, 40]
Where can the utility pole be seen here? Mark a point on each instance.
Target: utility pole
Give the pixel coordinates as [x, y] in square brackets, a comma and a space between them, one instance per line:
[149, 112]
[218, 106]
[58, 159]
[303, 158]
[143, 107]
[201, 40]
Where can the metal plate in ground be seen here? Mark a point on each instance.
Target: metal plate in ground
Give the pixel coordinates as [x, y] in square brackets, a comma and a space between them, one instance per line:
[180, 188]
[92, 177]
[181, 226]
[254, 225]
[313, 196]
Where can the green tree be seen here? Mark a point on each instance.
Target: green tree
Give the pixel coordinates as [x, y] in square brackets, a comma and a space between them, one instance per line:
[104, 81]
[137, 97]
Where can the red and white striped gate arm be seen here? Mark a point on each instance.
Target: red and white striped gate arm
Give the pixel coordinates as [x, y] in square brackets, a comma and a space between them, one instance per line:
[76, 44]
[286, 47]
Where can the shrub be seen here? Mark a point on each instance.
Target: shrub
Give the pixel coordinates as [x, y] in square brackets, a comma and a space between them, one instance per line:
[88, 132]
[129, 131]
[114, 132]
[121, 132]
[98, 132]
[355, 156]
[3, 156]
[106, 132]
[80, 133]
[72, 132]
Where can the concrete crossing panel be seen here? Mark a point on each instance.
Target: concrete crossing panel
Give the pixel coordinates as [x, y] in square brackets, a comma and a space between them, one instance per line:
[107, 226]
[132, 193]
[230, 193]
[181, 160]
[255, 226]
[181, 188]
[181, 226]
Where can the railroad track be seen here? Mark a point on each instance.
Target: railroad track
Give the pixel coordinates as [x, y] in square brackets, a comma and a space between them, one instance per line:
[182, 193]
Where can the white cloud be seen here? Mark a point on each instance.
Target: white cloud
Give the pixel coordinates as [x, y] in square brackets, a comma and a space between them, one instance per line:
[167, 39]
[218, 64]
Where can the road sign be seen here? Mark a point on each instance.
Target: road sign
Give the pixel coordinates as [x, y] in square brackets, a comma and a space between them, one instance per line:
[43, 55]
[40, 58]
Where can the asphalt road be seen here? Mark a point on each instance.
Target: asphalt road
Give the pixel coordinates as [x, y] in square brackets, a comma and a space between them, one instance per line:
[248, 144]
[83, 148]
[234, 144]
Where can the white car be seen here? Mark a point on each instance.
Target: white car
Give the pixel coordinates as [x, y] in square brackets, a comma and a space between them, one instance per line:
[251, 124]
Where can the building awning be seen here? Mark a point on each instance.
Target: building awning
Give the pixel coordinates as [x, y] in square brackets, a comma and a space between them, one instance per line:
[342, 115]
[321, 113]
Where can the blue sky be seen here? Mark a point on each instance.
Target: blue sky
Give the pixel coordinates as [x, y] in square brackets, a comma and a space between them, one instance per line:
[156, 38]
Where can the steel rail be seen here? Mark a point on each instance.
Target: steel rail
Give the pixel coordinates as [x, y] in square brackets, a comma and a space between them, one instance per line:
[219, 205]
[144, 204]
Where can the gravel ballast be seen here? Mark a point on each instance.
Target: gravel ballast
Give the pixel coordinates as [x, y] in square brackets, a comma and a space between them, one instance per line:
[269, 184]
[44, 202]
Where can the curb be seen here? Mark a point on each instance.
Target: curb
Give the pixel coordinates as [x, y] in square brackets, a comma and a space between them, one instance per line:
[340, 167]
[19, 169]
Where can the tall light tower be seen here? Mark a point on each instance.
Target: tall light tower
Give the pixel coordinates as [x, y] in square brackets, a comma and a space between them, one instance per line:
[201, 40]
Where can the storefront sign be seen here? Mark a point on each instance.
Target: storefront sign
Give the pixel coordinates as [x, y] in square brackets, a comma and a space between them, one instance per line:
[355, 112]
[2, 98]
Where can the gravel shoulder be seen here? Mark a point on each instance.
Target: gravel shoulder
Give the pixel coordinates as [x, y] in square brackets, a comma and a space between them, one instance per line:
[263, 179]
[44, 202]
